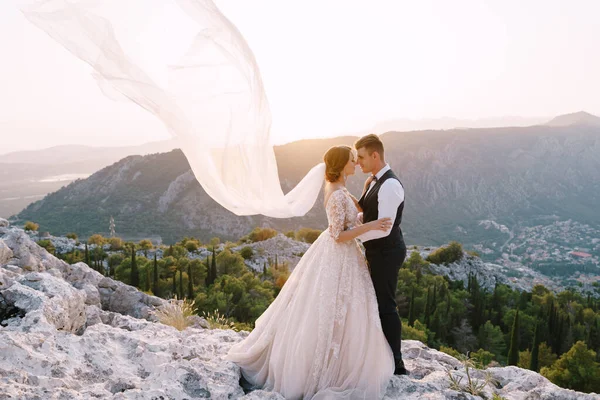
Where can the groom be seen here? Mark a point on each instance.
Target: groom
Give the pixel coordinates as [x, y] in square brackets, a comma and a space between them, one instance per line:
[383, 196]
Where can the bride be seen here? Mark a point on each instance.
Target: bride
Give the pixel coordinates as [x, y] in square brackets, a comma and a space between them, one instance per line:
[321, 338]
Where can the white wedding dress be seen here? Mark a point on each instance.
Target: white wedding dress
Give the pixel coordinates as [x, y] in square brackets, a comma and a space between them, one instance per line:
[321, 338]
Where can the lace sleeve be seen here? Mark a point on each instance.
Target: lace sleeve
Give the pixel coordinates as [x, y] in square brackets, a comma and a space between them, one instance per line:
[336, 214]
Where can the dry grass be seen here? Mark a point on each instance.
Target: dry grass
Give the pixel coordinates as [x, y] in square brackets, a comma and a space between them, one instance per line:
[176, 313]
[217, 321]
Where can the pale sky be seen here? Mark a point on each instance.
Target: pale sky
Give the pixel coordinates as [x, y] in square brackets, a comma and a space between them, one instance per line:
[333, 67]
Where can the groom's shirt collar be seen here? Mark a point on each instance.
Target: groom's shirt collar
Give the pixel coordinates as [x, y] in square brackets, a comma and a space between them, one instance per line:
[382, 171]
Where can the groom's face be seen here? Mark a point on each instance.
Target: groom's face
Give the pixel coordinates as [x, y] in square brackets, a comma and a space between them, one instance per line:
[365, 160]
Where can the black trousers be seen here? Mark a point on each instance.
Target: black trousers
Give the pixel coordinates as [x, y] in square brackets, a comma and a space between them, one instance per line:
[384, 264]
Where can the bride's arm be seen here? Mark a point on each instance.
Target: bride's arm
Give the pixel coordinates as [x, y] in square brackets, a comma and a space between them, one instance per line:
[382, 224]
[336, 212]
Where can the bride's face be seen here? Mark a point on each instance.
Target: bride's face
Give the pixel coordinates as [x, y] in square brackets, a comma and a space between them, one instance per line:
[350, 167]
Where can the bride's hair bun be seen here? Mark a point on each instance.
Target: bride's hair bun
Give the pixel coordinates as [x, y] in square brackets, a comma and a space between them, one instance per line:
[336, 159]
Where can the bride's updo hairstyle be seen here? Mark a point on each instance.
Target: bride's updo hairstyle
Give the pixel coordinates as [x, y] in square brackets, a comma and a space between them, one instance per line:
[336, 159]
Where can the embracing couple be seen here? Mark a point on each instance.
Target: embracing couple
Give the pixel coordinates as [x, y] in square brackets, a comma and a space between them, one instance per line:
[333, 332]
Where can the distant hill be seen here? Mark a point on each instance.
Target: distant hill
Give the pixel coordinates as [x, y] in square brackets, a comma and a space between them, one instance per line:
[69, 154]
[453, 179]
[581, 118]
[27, 176]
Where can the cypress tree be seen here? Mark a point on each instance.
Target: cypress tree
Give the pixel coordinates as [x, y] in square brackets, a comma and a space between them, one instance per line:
[208, 280]
[594, 336]
[155, 280]
[135, 273]
[559, 336]
[213, 267]
[513, 352]
[87, 256]
[434, 301]
[411, 311]
[181, 283]
[190, 282]
[428, 307]
[264, 273]
[535, 351]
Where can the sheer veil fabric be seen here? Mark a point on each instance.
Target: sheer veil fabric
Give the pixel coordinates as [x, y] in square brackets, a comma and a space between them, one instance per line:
[188, 65]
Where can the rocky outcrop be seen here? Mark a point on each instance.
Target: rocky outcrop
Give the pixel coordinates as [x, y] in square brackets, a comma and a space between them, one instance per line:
[286, 250]
[68, 332]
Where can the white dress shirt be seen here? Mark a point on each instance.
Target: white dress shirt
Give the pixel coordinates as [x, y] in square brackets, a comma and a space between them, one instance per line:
[390, 196]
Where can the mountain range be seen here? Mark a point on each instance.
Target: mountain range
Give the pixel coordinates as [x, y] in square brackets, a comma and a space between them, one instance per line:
[453, 180]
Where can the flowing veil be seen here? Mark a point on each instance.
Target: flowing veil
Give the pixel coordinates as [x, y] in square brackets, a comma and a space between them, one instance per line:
[187, 64]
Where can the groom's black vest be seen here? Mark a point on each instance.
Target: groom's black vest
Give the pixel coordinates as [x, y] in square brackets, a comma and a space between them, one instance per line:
[369, 203]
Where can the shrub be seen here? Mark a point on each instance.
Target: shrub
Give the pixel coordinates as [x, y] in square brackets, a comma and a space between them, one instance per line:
[31, 226]
[418, 332]
[47, 245]
[447, 255]
[260, 234]
[307, 235]
[71, 235]
[450, 351]
[247, 252]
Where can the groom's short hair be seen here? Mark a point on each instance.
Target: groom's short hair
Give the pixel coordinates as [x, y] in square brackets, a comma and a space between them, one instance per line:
[371, 143]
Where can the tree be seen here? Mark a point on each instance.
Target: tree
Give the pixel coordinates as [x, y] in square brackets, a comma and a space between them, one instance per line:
[491, 338]
[96, 239]
[213, 265]
[190, 282]
[135, 273]
[114, 260]
[411, 311]
[577, 369]
[209, 276]
[182, 265]
[199, 271]
[513, 352]
[192, 246]
[155, 277]
[230, 263]
[145, 245]
[87, 255]
[546, 357]
[116, 243]
[463, 336]
[428, 307]
[535, 350]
